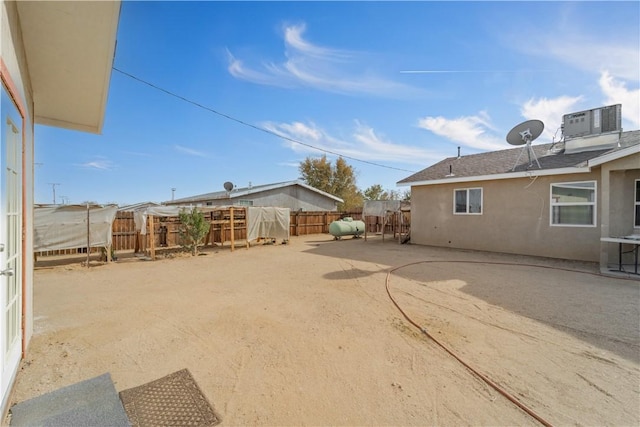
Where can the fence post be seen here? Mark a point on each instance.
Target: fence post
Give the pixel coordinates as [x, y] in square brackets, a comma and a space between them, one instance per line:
[152, 239]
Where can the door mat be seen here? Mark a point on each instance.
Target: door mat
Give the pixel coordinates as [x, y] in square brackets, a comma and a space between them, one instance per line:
[174, 400]
[92, 402]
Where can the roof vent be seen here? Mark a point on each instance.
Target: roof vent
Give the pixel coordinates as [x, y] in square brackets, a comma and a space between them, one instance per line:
[591, 130]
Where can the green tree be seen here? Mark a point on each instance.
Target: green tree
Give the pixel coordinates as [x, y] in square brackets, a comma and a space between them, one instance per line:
[193, 228]
[338, 179]
[374, 192]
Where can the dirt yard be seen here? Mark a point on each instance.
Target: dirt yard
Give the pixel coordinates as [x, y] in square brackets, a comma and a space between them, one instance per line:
[305, 334]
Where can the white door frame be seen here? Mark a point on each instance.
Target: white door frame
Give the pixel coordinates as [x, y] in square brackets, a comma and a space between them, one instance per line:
[11, 295]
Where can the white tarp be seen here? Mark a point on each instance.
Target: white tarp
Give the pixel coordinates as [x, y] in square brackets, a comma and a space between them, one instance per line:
[380, 207]
[268, 222]
[65, 226]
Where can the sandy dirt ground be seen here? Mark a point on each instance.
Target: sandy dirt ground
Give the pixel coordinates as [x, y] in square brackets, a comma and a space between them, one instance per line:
[305, 334]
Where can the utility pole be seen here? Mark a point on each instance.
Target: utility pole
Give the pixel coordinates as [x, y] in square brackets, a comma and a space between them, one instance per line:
[173, 191]
[53, 187]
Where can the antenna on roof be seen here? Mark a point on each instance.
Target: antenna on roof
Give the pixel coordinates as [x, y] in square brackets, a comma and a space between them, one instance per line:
[228, 186]
[524, 134]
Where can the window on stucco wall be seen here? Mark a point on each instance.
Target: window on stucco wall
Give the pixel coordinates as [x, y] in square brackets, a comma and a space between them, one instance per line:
[467, 201]
[573, 204]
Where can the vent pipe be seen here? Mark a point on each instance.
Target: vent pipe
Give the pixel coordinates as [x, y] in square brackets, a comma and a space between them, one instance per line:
[458, 151]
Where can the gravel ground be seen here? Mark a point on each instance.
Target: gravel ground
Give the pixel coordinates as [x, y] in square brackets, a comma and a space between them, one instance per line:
[305, 334]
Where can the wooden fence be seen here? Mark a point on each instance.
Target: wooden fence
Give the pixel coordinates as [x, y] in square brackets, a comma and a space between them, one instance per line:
[166, 230]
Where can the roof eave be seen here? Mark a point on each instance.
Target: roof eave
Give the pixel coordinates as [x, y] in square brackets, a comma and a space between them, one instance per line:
[615, 155]
[70, 47]
[500, 176]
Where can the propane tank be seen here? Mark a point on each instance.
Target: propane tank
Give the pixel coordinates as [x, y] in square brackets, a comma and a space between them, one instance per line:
[346, 227]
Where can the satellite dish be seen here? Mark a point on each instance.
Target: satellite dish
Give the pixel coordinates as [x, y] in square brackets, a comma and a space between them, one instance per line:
[228, 186]
[524, 134]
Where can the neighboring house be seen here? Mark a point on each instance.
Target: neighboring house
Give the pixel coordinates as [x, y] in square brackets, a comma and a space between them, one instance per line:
[581, 193]
[295, 195]
[55, 67]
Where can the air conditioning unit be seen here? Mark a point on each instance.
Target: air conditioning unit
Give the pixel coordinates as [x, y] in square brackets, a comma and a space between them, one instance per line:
[591, 130]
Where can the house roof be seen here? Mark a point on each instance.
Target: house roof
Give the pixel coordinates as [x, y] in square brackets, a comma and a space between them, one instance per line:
[136, 206]
[500, 164]
[244, 192]
[70, 46]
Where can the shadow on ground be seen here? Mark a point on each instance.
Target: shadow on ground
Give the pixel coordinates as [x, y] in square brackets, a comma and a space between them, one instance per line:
[570, 296]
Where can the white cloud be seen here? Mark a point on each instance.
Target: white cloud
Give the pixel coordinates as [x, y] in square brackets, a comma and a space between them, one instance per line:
[318, 67]
[189, 151]
[616, 92]
[469, 131]
[550, 111]
[100, 164]
[363, 144]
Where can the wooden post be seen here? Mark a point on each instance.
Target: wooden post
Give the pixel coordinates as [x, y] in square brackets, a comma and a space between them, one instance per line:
[152, 239]
[233, 232]
[136, 247]
[246, 227]
[364, 219]
[88, 235]
[384, 225]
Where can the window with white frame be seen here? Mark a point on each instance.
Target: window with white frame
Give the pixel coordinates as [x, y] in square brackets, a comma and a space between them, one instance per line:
[636, 218]
[467, 201]
[244, 202]
[573, 204]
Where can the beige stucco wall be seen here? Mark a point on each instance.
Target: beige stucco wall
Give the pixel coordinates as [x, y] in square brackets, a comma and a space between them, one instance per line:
[515, 219]
[617, 220]
[16, 70]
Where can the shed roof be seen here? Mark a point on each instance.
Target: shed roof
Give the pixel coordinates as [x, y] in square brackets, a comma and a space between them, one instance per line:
[245, 191]
[500, 164]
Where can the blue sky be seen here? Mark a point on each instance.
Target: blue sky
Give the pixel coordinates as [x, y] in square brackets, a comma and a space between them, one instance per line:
[392, 86]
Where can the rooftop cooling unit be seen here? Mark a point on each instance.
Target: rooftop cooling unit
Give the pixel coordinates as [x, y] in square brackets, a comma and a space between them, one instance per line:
[591, 130]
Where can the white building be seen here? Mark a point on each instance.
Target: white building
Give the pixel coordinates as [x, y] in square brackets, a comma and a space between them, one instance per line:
[55, 67]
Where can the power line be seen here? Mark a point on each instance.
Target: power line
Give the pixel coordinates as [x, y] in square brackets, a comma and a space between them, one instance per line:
[242, 122]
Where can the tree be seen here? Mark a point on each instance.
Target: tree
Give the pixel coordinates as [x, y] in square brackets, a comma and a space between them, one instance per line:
[338, 179]
[193, 228]
[374, 192]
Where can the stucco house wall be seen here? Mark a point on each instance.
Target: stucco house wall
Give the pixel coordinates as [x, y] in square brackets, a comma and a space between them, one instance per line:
[618, 220]
[515, 219]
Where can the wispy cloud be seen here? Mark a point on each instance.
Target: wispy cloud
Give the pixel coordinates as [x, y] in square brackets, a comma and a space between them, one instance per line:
[616, 92]
[319, 67]
[363, 143]
[477, 131]
[189, 151]
[471, 131]
[550, 111]
[99, 163]
[570, 40]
